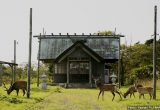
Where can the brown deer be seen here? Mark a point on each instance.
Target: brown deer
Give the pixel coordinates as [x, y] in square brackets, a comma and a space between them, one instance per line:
[144, 90]
[16, 86]
[131, 90]
[106, 87]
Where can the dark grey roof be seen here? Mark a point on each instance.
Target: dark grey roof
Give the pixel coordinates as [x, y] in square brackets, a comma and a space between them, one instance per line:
[106, 47]
[81, 45]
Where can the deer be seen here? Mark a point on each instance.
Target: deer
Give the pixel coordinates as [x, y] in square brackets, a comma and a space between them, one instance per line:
[106, 87]
[131, 90]
[144, 90]
[16, 86]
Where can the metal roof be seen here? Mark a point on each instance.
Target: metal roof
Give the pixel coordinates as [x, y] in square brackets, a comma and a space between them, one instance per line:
[51, 46]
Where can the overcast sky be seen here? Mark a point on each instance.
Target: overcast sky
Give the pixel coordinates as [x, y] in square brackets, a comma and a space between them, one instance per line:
[132, 18]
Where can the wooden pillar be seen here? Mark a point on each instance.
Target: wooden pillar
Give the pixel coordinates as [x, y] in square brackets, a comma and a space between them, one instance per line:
[90, 73]
[14, 67]
[53, 72]
[102, 74]
[1, 72]
[38, 61]
[12, 73]
[38, 73]
[119, 65]
[67, 72]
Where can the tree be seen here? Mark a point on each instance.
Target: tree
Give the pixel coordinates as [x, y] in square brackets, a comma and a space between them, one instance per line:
[136, 58]
[105, 33]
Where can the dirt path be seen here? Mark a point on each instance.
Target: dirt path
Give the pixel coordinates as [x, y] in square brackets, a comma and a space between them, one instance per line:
[67, 101]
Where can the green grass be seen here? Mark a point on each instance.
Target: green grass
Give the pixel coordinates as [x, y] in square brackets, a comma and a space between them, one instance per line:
[14, 102]
[55, 98]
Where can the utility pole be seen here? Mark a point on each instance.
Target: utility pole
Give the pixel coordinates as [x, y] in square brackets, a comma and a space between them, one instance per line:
[14, 69]
[29, 58]
[154, 53]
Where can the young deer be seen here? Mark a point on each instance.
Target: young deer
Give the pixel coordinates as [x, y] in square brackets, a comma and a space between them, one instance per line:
[131, 90]
[16, 86]
[106, 87]
[144, 90]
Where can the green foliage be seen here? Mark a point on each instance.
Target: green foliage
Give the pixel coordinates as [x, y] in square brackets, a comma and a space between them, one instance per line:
[10, 99]
[148, 42]
[144, 72]
[105, 33]
[21, 73]
[58, 89]
[137, 61]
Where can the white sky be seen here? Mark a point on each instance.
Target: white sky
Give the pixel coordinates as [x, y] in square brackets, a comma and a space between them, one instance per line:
[132, 18]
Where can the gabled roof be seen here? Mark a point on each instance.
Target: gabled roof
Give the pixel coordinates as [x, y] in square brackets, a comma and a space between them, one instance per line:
[85, 48]
[52, 47]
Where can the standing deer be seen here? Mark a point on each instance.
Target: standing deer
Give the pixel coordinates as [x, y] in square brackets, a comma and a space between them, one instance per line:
[16, 86]
[106, 87]
[131, 90]
[144, 90]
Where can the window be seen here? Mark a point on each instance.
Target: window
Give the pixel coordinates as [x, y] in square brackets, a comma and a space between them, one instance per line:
[79, 67]
[60, 68]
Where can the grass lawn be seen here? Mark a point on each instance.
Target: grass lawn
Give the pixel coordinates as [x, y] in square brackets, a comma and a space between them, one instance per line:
[70, 99]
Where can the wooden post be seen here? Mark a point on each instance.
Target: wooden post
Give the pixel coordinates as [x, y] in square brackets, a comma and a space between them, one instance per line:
[119, 65]
[14, 67]
[90, 73]
[1, 72]
[29, 58]
[53, 72]
[67, 72]
[38, 61]
[154, 53]
[38, 74]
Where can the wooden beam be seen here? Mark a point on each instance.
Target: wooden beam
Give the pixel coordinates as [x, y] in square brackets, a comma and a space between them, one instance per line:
[119, 65]
[90, 73]
[14, 68]
[38, 62]
[67, 72]
[79, 36]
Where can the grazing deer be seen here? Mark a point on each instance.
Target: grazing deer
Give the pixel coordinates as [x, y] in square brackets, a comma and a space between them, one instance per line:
[16, 86]
[144, 90]
[106, 87]
[131, 90]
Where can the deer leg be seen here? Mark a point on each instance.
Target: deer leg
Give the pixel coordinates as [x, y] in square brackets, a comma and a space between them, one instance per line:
[143, 96]
[103, 95]
[99, 94]
[113, 95]
[139, 96]
[150, 96]
[133, 95]
[119, 94]
[17, 91]
[130, 95]
[23, 92]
